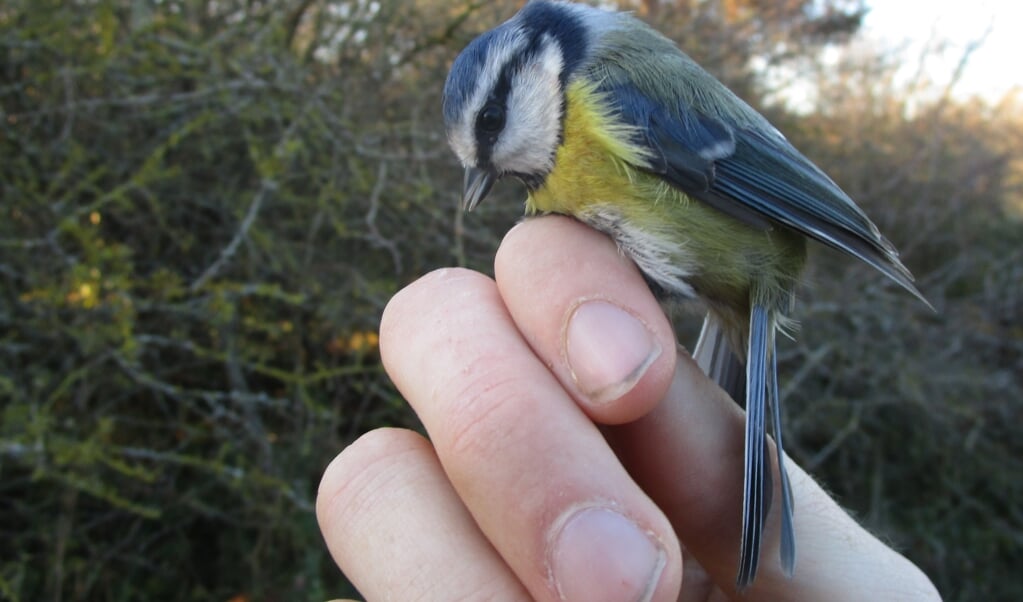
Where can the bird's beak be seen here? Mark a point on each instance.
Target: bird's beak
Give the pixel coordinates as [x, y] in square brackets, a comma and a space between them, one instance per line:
[478, 183]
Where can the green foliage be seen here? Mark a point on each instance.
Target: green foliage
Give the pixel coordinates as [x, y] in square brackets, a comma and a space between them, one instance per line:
[201, 227]
[206, 206]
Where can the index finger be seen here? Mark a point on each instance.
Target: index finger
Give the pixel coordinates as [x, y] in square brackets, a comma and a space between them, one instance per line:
[533, 470]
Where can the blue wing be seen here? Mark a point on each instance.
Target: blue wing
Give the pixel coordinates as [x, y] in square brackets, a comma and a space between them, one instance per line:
[747, 169]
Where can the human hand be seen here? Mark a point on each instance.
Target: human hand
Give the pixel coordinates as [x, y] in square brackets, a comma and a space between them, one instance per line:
[574, 452]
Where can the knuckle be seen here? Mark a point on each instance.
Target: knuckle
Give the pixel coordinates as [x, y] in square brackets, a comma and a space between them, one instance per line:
[364, 473]
[486, 407]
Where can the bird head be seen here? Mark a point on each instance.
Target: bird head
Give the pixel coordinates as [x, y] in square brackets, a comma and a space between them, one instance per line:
[504, 98]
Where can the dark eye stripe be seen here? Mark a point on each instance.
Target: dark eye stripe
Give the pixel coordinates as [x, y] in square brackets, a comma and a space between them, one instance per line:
[486, 138]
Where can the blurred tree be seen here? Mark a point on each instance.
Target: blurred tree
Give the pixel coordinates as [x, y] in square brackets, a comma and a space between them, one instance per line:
[207, 204]
[736, 39]
[909, 415]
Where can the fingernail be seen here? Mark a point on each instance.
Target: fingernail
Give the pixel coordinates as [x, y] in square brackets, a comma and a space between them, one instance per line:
[608, 350]
[601, 555]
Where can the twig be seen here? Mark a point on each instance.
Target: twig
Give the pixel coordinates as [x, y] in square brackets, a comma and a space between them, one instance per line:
[836, 442]
[375, 236]
[228, 252]
[140, 100]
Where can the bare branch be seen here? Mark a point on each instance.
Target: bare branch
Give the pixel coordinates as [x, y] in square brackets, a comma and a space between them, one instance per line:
[265, 187]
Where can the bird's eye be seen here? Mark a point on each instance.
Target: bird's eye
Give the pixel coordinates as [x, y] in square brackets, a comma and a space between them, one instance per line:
[491, 119]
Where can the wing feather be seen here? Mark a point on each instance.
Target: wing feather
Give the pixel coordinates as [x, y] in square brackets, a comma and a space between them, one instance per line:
[740, 164]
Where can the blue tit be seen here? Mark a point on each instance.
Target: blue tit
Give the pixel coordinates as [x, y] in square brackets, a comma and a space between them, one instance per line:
[606, 120]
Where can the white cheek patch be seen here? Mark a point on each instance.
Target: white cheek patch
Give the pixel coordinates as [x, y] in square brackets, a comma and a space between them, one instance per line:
[530, 137]
[462, 137]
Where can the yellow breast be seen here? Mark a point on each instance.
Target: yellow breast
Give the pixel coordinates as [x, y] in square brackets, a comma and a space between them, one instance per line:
[595, 162]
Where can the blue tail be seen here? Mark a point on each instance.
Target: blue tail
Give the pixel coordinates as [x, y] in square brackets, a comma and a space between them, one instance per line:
[758, 387]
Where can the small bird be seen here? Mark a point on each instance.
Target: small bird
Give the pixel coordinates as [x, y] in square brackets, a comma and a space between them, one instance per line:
[605, 120]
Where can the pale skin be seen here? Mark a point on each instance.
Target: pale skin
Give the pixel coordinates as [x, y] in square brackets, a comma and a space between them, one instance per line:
[575, 452]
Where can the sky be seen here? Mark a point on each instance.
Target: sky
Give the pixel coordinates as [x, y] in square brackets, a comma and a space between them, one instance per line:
[995, 68]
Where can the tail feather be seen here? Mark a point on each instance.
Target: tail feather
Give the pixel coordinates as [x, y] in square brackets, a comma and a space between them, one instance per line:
[754, 383]
[755, 494]
[719, 361]
[788, 535]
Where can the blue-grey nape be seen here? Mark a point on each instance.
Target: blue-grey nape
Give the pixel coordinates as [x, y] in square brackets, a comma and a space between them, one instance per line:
[562, 22]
